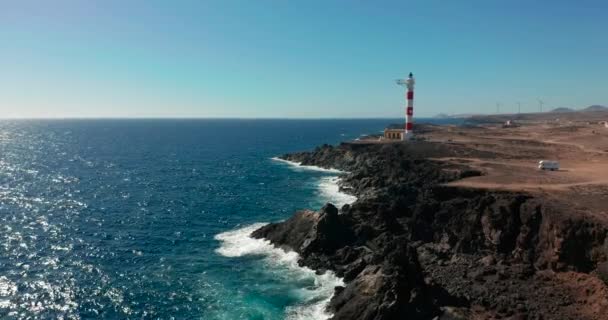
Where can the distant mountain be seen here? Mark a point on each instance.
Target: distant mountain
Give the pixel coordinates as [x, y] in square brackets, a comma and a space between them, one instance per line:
[441, 116]
[595, 107]
[562, 110]
[464, 115]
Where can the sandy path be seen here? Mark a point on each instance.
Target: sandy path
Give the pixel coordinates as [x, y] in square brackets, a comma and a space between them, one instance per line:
[584, 161]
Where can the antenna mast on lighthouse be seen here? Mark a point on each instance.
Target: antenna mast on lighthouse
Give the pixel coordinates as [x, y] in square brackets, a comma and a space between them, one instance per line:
[409, 111]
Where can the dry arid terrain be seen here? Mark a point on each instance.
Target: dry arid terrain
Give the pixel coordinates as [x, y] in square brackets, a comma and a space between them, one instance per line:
[579, 141]
[460, 223]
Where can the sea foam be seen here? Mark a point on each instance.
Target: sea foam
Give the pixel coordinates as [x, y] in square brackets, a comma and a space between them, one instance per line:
[298, 166]
[329, 190]
[329, 187]
[238, 243]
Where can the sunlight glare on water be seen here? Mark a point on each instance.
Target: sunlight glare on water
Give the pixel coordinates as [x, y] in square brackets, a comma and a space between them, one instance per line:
[144, 218]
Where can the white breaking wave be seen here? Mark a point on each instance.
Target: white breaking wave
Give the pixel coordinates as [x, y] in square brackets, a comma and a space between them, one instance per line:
[299, 166]
[329, 189]
[238, 243]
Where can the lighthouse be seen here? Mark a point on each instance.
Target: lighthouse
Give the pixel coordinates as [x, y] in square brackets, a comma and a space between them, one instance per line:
[409, 109]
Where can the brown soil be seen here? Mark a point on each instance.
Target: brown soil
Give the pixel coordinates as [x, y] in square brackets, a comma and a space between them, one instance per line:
[580, 145]
[508, 159]
[431, 238]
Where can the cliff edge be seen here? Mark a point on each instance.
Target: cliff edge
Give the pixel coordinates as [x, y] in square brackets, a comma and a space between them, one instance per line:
[416, 246]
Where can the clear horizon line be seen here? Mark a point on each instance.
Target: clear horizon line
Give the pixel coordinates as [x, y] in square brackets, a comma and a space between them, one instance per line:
[199, 118]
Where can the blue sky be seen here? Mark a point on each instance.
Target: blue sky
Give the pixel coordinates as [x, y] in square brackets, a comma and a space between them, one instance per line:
[68, 58]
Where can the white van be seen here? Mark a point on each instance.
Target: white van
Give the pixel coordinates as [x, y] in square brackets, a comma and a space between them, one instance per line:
[548, 165]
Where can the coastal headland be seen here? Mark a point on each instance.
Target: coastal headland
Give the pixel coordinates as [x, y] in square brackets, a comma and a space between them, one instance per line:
[461, 223]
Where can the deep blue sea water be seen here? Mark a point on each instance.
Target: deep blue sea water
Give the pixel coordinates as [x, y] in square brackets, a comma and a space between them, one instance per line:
[149, 218]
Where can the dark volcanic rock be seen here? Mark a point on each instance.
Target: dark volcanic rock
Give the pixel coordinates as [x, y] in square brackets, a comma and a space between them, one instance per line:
[383, 283]
[412, 247]
[309, 232]
[388, 290]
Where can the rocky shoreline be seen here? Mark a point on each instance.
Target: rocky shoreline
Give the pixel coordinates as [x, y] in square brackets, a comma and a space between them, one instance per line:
[413, 247]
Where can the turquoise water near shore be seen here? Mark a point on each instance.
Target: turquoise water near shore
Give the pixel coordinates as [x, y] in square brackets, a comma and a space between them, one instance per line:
[149, 218]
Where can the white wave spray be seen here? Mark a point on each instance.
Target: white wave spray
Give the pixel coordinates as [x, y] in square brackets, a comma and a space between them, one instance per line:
[329, 187]
[238, 243]
[298, 166]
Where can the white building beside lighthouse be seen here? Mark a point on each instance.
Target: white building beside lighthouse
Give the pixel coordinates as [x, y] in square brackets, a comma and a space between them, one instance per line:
[394, 132]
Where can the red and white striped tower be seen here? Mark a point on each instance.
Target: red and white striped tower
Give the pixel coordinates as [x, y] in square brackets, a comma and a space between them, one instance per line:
[409, 111]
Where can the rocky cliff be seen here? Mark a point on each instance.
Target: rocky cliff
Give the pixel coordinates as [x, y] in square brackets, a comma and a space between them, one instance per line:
[412, 247]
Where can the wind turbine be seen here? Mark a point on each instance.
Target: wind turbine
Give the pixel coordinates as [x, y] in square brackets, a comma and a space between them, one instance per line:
[540, 104]
[518, 107]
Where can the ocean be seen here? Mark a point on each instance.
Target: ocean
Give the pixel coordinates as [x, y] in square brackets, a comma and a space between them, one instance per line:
[122, 219]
